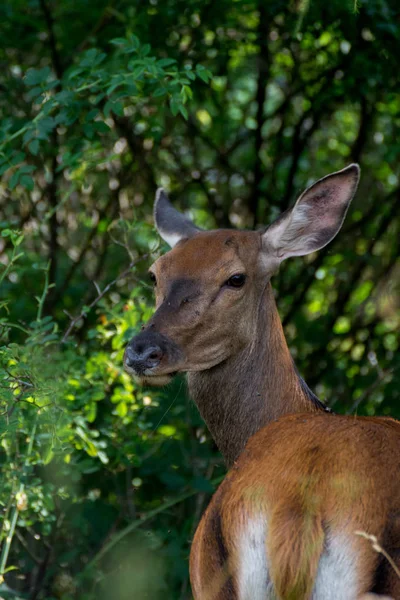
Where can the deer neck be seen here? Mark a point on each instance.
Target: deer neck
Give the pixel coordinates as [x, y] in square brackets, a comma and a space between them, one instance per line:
[259, 384]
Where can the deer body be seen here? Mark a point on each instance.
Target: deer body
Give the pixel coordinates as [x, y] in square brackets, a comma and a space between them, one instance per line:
[302, 481]
[289, 509]
[275, 528]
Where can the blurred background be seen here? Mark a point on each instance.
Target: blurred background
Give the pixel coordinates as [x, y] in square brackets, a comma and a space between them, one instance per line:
[234, 107]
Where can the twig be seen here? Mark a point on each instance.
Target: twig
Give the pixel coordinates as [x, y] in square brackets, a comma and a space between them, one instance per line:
[15, 511]
[382, 376]
[25, 545]
[103, 20]
[378, 548]
[96, 285]
[55, 56]
[152, 513]
[47, 285]
[84, 312]
[262, 83]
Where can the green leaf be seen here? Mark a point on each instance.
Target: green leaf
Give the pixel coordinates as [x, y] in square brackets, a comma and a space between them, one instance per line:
[145, 49]
[119, 42]
[101, 126]
[166, 62]
[137, 72]
[174, 105]
[35, 92]
[115, 107]
[17, 158]
[91, 58]
[4, 168]
[89, 131]
[203, 73]
[186, 93]
[13, 180]
[99, 98]
[205, 76]
[107, 108]
[122, 409]
[92, 114]
[91, 412]
[34, 147]
[11, 568]
[184, 112]
[44, 127]
[160, 92]
[28, 135]
[27, 182]
[203, 485]
[48, 456]
[134, 41]
[116, 83]
[118, 108]
[64, 97]
[99, 58]
[27, 169]
[36, 76]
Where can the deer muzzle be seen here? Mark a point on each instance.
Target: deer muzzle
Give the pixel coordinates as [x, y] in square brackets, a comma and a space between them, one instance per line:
[151, 354]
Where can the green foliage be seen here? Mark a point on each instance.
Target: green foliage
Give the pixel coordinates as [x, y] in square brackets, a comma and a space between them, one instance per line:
[234, 107]
[97, 86]
[76, 434]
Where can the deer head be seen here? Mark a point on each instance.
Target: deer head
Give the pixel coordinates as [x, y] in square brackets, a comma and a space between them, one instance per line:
[209, 286]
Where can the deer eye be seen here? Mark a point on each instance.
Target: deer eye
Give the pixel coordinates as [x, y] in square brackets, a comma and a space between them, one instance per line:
[153, 278]
[236, 281]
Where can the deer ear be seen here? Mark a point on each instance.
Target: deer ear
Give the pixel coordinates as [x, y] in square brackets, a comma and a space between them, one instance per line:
[316, 217]
[170, 223]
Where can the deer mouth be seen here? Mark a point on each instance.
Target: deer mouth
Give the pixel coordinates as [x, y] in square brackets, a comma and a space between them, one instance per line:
[151, 358]
[150, 376]
[155, 380]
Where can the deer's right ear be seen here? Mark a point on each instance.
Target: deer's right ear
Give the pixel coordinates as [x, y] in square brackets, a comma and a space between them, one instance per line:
[170, 223]
[315, 219]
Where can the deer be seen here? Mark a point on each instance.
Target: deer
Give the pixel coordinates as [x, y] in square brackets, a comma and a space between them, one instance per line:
[302, 482]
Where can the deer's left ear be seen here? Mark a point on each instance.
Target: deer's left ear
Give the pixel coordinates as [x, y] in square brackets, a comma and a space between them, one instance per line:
[316, 217]
[170, 223]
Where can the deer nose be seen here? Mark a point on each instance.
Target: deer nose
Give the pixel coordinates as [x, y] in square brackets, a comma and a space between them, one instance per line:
[140, 355]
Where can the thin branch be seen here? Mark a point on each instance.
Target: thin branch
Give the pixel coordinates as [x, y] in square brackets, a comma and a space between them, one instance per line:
[366, 115]
[25, 545]
[263, 75]
[83, 251]
[125, 129]
[106, 16]
[55, 56]
[378, 548]
[136, 524]
[83, 314]
[383, 376]
[52, 187]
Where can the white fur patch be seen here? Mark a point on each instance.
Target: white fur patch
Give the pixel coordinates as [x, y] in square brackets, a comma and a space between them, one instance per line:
[336, 576]
[337, 572]
[289, 236]
[253, 578]
[171, 238]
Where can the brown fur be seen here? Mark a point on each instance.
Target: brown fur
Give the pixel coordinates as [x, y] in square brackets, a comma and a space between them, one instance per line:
[313, 476]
